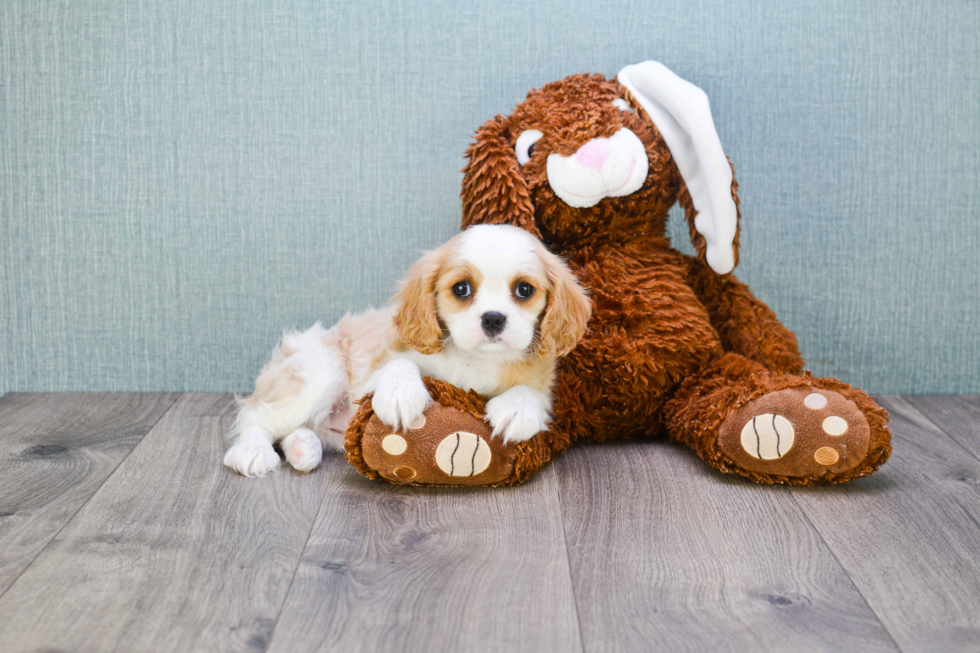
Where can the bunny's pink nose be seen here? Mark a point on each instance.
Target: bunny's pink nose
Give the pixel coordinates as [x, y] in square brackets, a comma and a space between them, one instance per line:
[594, 153]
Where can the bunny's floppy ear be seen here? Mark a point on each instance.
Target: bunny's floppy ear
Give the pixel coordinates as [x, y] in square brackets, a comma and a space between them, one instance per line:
[494, 190]
[681, 113]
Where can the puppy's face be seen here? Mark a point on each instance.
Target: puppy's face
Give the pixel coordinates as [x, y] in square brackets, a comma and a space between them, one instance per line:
[492, 291]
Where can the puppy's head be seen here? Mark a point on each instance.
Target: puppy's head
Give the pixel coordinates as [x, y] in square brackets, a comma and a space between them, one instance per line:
[493, 290]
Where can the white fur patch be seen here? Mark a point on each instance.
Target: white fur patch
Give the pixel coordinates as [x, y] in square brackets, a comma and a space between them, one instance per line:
[400, 397]
[581, 185]
[252, 453]
[501, 253]
[303, 450]
[681, 112]
[518, 414]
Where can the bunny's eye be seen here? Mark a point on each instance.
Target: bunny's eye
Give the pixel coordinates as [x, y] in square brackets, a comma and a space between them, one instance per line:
[622, 105]
[525, 145]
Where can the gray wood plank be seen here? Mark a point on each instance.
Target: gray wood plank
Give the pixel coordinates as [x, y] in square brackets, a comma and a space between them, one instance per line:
[392, 568]
[667, 554]
[173, 553]
[957, 415]
[56, 450]
[909, 536]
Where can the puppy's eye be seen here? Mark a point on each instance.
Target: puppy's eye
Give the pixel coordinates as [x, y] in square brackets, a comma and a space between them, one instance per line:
[622, 105]
[523, 290]
[462, 289]
[525, 145]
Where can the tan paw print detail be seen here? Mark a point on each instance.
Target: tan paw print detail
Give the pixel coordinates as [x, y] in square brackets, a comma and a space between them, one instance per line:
[796, 432]
[463, 454]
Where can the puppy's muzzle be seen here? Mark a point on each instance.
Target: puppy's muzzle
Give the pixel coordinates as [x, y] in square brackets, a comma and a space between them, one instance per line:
[493, 322]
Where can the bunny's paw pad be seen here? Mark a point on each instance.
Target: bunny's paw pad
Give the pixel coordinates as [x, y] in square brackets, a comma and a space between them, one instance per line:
[797, 432]
[446, 447]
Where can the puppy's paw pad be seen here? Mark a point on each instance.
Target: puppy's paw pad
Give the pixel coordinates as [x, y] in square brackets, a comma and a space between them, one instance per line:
[303, 450]
[252, 458]
[796, 432]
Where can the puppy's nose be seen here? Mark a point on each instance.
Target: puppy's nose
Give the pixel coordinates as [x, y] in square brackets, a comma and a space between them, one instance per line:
[493, 322]
[594, 153]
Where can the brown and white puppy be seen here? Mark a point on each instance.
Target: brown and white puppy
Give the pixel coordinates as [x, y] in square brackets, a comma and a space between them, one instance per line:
[491, 311]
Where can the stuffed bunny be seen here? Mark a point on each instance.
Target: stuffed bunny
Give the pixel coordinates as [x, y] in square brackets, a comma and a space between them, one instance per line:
[676, 344]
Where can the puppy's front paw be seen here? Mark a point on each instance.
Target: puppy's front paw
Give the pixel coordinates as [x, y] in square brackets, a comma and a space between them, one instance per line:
[517, 415]
[400, 396]
[251, 455]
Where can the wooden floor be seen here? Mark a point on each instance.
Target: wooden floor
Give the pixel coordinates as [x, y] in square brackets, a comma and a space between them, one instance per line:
[120, 530]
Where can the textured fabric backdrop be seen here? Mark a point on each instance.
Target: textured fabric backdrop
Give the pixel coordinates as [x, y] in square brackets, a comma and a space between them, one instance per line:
[181, 180]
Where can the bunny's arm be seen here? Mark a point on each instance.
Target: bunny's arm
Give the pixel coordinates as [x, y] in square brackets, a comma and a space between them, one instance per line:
[746, 325]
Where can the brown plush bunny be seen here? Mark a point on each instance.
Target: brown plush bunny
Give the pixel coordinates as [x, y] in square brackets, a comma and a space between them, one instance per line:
[676, 344]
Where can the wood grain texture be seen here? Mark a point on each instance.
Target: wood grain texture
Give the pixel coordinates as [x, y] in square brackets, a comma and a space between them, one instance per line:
[668, 555]
[625, 546]
[909, 536]
[391, 568]
[56, 450]
[958, 416]
[173, 553]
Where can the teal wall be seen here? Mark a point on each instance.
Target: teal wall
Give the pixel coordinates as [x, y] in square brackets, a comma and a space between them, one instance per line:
[180, 180]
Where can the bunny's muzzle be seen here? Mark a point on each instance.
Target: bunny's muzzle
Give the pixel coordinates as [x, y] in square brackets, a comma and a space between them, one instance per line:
[602, 167]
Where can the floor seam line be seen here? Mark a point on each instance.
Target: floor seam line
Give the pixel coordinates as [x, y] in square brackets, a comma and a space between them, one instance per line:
[949, 437]
[299, 561]
[833, 554]
[568, 557]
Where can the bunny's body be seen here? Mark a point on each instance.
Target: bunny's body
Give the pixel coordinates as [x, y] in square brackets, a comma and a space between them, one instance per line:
[676, 344]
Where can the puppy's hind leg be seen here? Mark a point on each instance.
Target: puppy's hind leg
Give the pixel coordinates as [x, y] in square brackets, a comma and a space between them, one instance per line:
[303, 450]
[295, 391]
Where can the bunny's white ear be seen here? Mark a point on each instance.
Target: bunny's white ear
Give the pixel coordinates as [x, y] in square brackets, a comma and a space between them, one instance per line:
[681, 113]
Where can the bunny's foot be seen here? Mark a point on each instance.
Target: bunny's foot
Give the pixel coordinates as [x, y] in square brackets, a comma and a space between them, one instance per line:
[796, 432]
[778, 428]
[451, 445]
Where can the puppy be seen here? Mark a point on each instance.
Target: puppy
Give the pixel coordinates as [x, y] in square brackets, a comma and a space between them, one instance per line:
[491, 311]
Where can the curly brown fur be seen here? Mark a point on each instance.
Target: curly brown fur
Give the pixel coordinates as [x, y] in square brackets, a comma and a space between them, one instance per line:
[746, 325]
[654, 358]
[695, 413]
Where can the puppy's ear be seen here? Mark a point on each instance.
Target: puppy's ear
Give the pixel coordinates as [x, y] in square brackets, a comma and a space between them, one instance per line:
[681, 113]
[416, 320]
[494, 190]
[568, 311]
